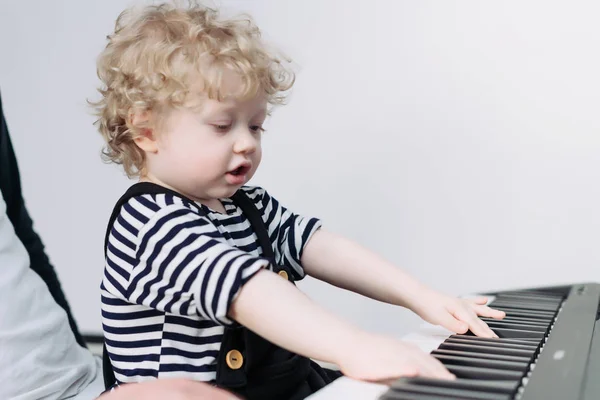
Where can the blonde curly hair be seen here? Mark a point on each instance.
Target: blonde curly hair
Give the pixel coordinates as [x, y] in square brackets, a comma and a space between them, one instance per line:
[159, 54]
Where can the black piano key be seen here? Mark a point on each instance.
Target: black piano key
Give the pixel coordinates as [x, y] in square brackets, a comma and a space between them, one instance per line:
[482, 362]
[495, 340]
[533, 318]
[408, 391]
[469, 384]
[526, 320]
[540, 297]
[531, 340]
[522, 346]
[543, 315]
[488, 349]
[519, 320]
[524, 295]
[514, 334]
[532, 295]
[526, 298]
[534, 305]
[552, 301]
[481, 355]
[548, 313]
[525, 305]
[462, 371]
[517, 333]
[389, 395]
[407, 395]
[513, 325]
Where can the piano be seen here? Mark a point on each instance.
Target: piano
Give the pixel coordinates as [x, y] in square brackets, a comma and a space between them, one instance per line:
[549, 348]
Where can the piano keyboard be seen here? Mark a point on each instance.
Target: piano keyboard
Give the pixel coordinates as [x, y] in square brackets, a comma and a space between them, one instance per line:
[542, 353]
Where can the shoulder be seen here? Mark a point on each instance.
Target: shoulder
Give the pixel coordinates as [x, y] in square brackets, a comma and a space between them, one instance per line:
[147, 210]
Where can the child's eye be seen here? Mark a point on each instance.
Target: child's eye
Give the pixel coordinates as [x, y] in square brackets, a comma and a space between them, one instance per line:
[222, 128]
[257, 128]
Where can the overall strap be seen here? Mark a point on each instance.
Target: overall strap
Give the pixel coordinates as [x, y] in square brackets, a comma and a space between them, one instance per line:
[258, 226]
[264, 371]
[235, 338]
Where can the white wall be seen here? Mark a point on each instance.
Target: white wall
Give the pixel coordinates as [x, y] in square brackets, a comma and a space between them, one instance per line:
[459, 139]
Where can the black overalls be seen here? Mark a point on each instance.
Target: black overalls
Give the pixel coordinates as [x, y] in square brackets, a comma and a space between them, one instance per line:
[247, 364]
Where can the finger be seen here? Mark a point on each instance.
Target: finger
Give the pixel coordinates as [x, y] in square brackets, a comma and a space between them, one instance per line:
[432, 367]
[482, 300]
[481, 329]
[409, 371]
[477, 326]
[486, 328]
[485, 311]
[384, 377]
[449, 322]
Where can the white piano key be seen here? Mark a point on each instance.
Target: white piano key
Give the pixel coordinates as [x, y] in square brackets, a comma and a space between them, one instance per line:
[349, 389]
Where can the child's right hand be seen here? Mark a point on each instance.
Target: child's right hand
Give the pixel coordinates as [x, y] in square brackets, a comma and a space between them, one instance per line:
[313, 332]
[381, 358]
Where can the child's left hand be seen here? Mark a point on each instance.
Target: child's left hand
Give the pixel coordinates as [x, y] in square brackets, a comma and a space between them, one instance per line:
[457, 315]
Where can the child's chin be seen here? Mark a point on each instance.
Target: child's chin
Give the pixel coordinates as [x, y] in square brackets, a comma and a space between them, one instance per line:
[227, 192]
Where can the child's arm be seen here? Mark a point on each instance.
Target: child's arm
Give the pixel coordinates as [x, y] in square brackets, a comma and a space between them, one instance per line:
[279, 312]
[160, 389]
[343, 263]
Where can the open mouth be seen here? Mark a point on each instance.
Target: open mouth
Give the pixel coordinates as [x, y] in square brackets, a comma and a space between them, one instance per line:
[241, 170]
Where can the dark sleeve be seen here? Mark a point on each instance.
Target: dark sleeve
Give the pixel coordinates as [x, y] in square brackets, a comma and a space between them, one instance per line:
[10, 185]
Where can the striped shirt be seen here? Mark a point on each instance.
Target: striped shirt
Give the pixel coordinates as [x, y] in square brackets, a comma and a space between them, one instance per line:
[172, 270]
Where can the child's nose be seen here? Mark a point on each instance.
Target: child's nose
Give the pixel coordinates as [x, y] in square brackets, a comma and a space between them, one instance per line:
[246, 142]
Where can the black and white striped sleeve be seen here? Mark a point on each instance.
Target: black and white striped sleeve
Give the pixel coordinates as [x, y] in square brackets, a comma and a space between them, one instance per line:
[185, 267]
[289, 232]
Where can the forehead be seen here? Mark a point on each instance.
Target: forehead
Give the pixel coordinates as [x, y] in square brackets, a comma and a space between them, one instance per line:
[228, 92]
[250, 107]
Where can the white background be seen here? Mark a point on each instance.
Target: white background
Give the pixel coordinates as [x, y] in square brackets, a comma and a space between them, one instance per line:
[459, 139]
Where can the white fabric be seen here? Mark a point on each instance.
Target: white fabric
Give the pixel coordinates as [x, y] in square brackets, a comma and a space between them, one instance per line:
[39, 357]
[95, 387]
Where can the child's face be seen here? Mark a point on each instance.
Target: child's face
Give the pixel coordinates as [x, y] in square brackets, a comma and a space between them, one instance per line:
[210, 153]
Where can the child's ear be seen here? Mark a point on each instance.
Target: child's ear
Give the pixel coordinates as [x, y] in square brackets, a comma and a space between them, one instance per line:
[146, 140]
